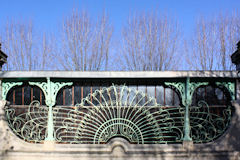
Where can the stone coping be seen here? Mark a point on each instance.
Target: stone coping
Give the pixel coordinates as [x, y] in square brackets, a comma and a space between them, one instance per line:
[118, 74]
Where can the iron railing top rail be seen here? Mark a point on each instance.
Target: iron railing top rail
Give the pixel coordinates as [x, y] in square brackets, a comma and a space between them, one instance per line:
[118, 74]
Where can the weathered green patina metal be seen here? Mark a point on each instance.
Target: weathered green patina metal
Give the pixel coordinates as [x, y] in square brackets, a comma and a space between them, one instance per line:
[205, 125]
[30, 125]
[118, 111]
[6, 86]
[186, 90]
[230, 86]
[50, 90]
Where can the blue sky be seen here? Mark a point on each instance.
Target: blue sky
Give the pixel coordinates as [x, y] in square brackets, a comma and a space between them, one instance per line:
[48, 14]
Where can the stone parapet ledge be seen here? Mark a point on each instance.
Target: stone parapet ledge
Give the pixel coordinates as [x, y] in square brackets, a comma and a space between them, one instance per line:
[118, 74]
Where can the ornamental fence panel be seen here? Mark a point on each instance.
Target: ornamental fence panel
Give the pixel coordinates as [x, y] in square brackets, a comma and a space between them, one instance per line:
[146, 111]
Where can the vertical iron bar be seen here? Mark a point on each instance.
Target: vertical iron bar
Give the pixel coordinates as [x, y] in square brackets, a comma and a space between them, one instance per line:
[31, 94]
[40, 97]
[81, 91]
[164, 97]
[23, 95]
[14, 97]
[91, 91]
[64, 97]
[155, 92]
[73, 95]
[100, 95]
[173, 97]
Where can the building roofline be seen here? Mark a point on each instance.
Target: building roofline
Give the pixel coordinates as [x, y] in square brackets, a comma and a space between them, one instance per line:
[117, 74]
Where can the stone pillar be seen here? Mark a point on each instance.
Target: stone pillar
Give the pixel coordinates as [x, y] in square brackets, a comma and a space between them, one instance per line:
[236, 60]
[3, 129]
[237, 81]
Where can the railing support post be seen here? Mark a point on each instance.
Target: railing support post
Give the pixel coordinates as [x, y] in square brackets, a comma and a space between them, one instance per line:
[50, 102]
[186, 90]
[50, 90]
[186, 115]
[50, 125]
[49, 140]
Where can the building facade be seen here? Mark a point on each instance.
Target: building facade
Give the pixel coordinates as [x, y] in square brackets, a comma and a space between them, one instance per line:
[119, 115]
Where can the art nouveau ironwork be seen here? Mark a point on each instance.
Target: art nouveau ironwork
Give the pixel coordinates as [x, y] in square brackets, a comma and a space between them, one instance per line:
[29, 125]
[119, 111]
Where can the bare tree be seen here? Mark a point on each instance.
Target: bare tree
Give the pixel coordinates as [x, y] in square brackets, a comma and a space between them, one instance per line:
[17, 43]
[45, 49]
[24, 50]
[213, 42]
[150, 42]
[202, 55]
[229, 35]
[86, 43]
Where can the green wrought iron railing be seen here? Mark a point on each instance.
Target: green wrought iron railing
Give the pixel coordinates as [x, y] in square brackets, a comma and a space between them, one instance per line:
[119, 111]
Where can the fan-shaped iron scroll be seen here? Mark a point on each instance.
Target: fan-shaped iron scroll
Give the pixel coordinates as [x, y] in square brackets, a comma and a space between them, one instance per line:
[118, 111]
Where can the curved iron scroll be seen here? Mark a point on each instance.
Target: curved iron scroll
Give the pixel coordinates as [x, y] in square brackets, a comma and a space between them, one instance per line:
[207, 126]
[118, 111]
[29, 125]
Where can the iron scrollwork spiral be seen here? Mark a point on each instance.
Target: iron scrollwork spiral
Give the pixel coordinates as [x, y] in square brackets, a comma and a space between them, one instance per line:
[28, 123]
[206, 126]
[117, 111]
